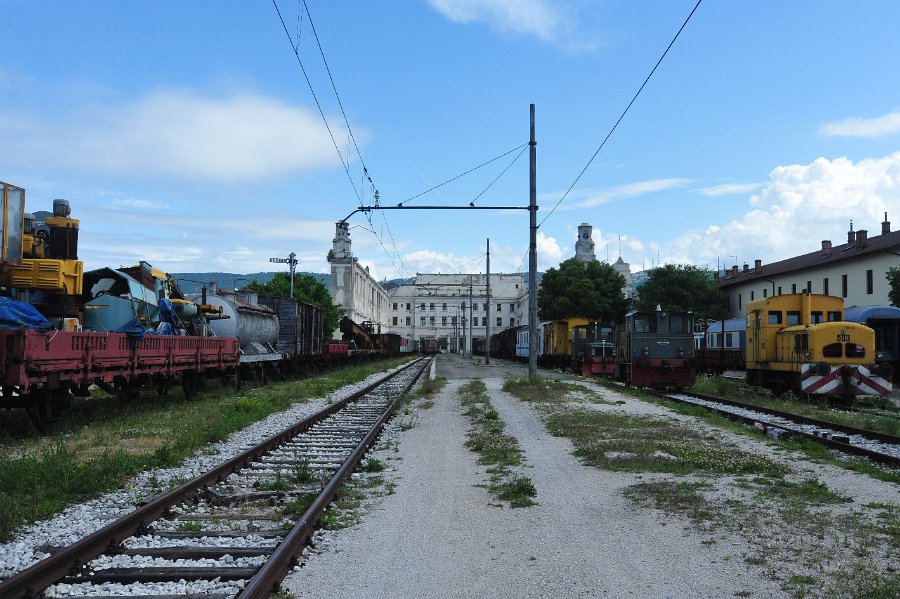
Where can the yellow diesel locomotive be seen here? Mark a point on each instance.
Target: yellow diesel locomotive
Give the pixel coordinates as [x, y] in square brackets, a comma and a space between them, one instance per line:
[558, 342]
[800, 342]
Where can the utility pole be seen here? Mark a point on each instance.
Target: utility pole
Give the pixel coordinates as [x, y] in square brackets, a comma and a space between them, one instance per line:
[487, 308]
[532, 254]
[471, 317]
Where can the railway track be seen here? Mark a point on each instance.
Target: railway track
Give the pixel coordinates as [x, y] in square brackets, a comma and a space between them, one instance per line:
[229, 531]
[876, 446]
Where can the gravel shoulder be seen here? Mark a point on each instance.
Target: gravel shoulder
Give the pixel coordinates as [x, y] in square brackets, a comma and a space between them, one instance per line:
[440, 534]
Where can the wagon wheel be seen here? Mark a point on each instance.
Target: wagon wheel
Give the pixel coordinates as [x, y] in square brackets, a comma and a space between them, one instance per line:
[163, 384]
[60, 400]
[189, 385]
[36, 408]
[127, 391]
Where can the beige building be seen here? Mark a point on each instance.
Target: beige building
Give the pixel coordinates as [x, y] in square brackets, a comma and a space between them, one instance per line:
[353, 290]
[854, 270]
[444, 306]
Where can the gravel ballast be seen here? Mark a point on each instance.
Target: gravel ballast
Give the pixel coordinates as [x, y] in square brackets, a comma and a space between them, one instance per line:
[442, 535]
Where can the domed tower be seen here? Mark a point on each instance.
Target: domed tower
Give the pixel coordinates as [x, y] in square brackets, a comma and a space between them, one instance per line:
[584, 247]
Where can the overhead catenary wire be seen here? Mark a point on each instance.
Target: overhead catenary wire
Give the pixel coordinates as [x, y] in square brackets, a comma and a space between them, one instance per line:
[624, 112]
[475, 168]
[296, 49]
[345, 163]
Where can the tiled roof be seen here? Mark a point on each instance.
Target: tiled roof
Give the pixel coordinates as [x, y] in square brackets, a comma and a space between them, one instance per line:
[839, 253]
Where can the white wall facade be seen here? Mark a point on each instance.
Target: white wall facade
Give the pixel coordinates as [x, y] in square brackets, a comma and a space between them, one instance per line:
[438, 305]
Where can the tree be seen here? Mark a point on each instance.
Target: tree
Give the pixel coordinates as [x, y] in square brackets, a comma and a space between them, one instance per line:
[682, 288]
[589, 289]
[893, 277]
[307, 289]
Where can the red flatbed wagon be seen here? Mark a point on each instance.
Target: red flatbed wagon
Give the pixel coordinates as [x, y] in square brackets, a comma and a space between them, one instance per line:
[35, 364]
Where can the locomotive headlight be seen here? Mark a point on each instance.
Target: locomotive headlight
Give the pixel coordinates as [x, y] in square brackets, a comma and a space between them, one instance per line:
[807, 354]
[645, 352]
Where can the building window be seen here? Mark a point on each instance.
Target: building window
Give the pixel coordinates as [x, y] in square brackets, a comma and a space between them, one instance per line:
[843, 285]
[779, 290]
[825, 285]
[485, 307]
[869, 283]
[443, 321]
[395, 307]
[422, 306]
[395, 321]
[499, 307]
[765, 292]
[809, 286]
[431, 306]
[445, 306]
[512, 307]
[793, 287]
[484, 321]
[422, 321]
[409, 307]
[499, 321]
[740, 305]
[409, 321]
[474, 307]
[512, 322]
[432, 321]
[752, 295]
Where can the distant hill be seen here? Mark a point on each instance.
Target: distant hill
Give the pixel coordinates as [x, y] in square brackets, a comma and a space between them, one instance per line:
[192, 282]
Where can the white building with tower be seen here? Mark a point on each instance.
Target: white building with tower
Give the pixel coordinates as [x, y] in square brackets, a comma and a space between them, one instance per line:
[584, 251]
[584, 246]
[354, 291]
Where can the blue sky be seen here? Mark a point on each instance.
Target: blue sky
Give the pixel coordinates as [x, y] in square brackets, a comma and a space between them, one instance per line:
[185, 133]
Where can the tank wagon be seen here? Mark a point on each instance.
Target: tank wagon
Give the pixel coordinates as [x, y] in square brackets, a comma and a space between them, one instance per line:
[800, 342]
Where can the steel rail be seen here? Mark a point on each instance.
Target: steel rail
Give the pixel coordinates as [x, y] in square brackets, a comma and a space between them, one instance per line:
[31, 582]
[852, 430]
[888, 460]
[268, 578]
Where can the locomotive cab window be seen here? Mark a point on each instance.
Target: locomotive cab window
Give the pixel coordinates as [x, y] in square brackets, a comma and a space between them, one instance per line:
[775, 317]
[679, 324]
[793, 317]
[834, 316]
[853, 350]
[815, 317]
[832, 350]
[645, 323]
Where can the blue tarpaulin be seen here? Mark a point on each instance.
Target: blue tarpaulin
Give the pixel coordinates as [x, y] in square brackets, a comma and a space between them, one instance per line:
[19, 315]
[134, 328]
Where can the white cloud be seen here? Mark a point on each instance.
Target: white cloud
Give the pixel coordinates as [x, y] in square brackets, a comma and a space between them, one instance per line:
[177, 132]
[594, 198]
[135, 204]
[549, 252]
[730, 189]
[861, 127]
[799, 207]
[545, 19]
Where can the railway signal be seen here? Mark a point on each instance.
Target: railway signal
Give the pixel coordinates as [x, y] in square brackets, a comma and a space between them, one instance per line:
[291, 261]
